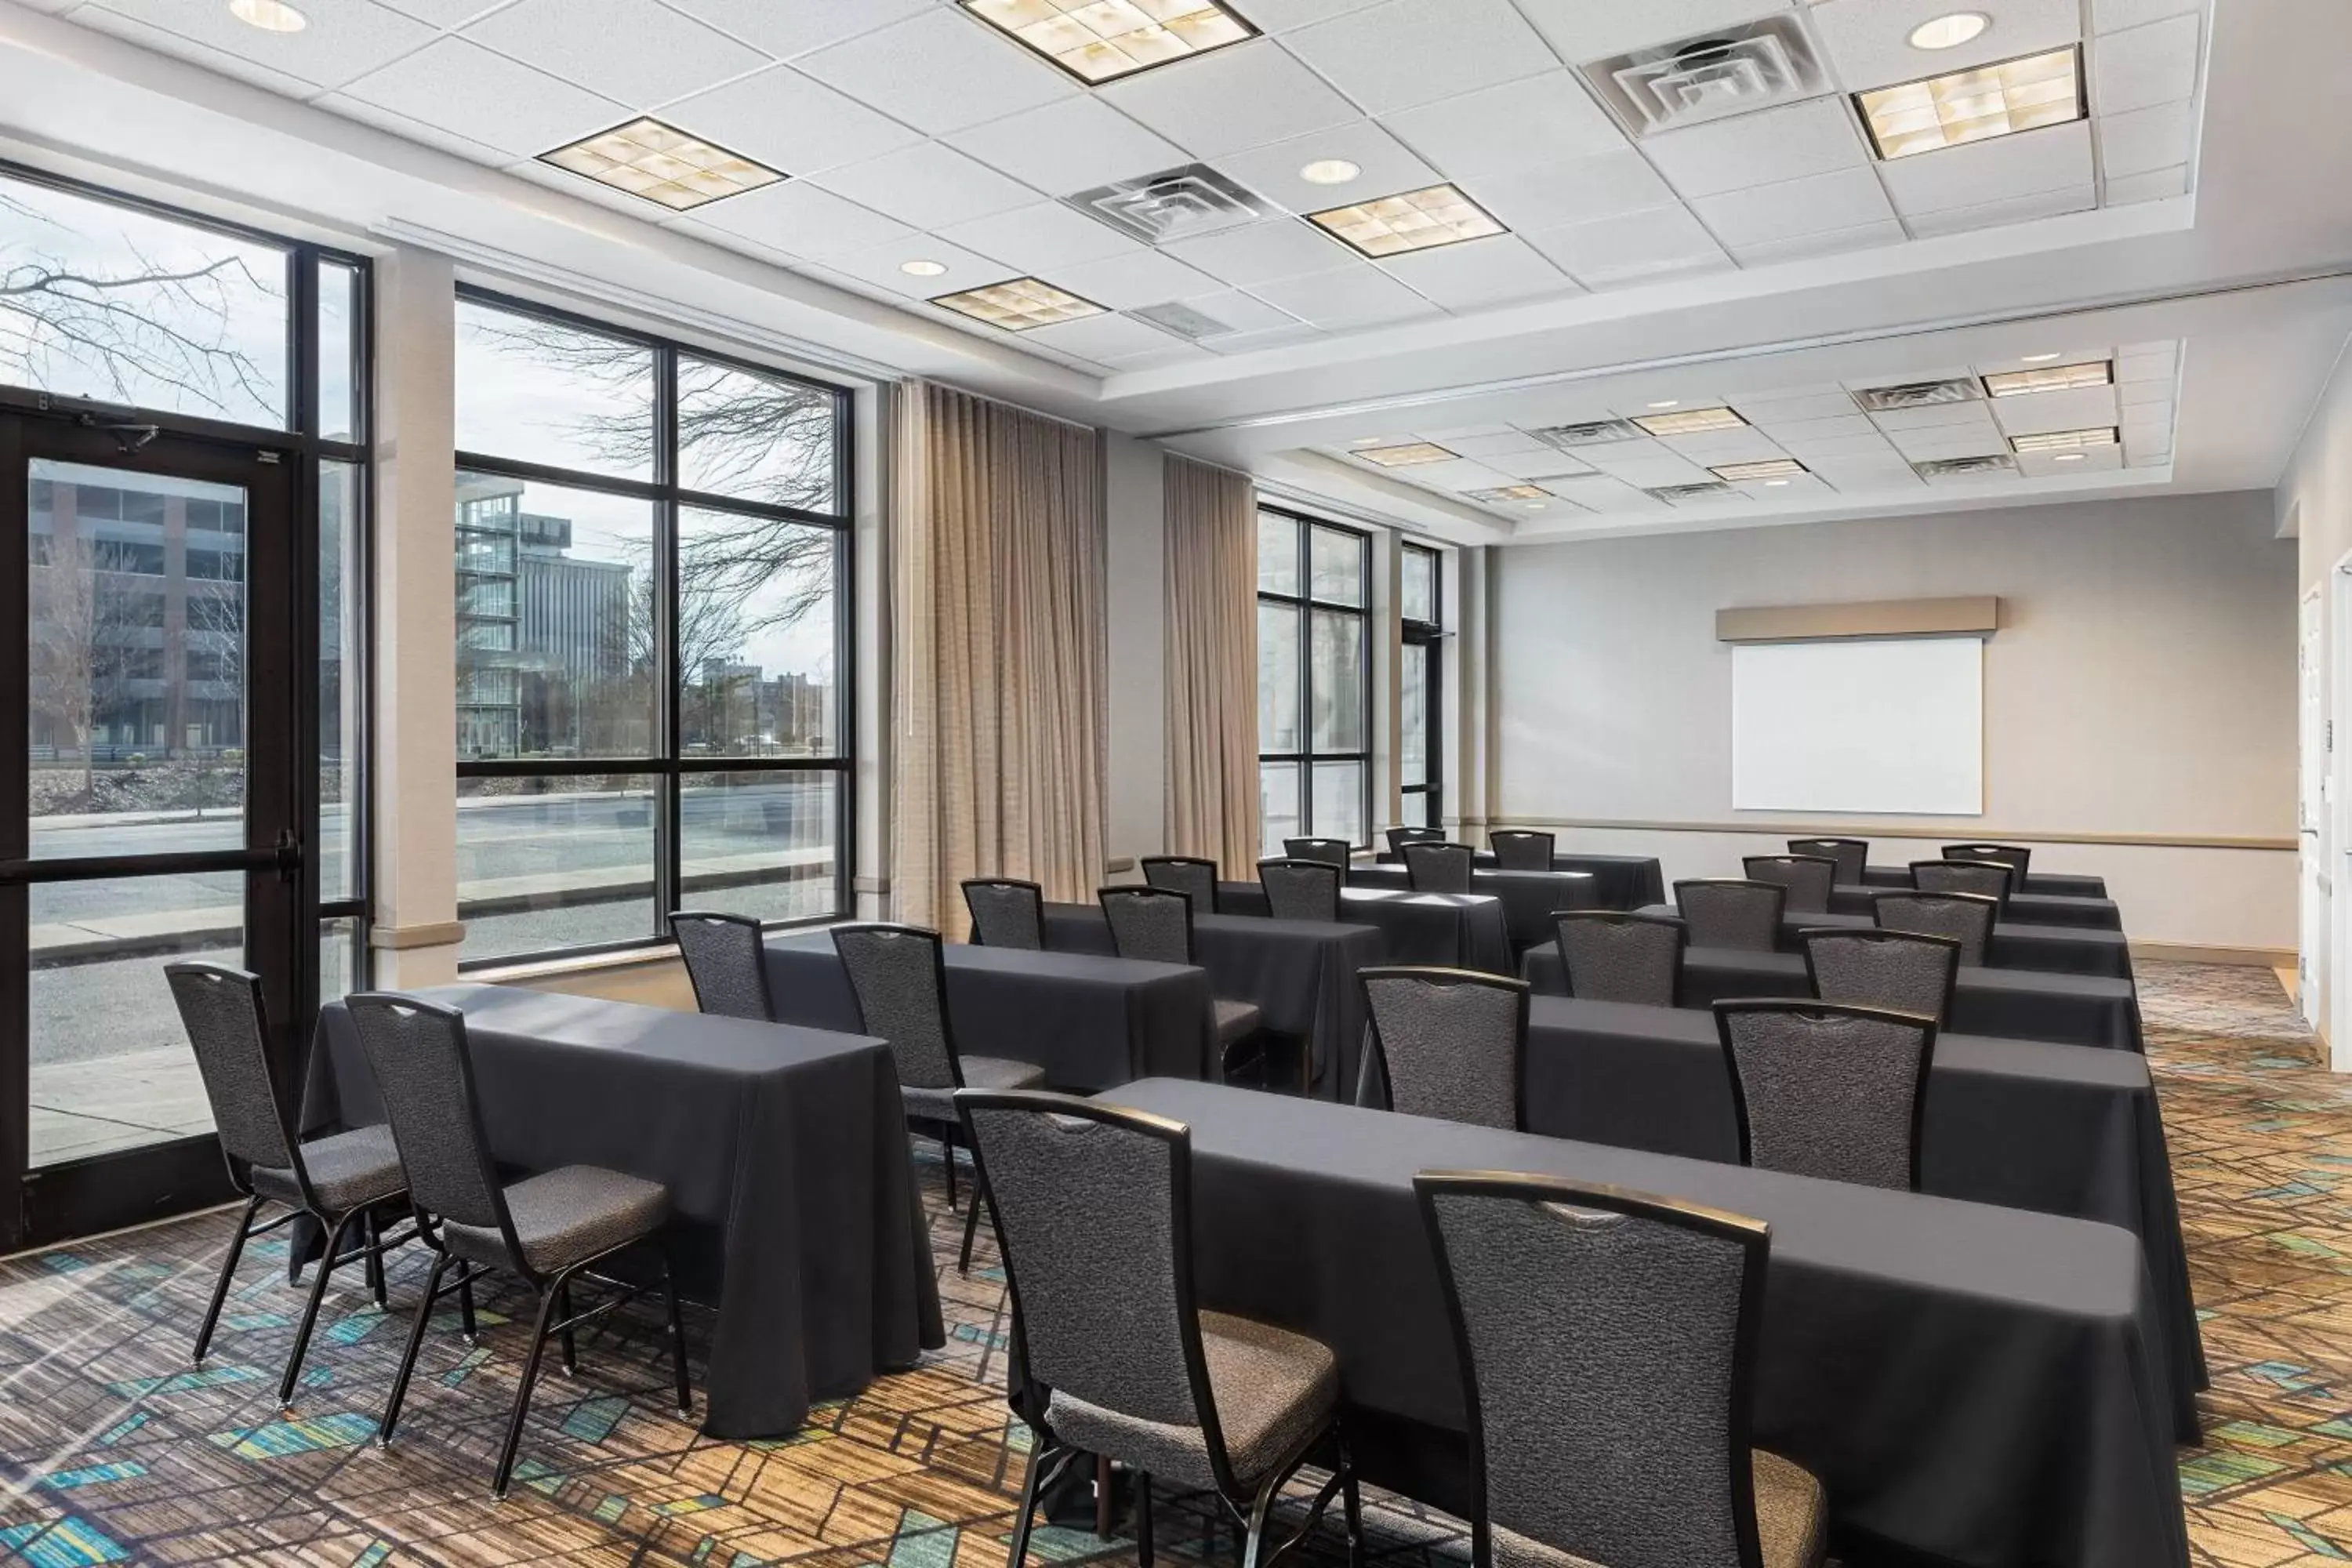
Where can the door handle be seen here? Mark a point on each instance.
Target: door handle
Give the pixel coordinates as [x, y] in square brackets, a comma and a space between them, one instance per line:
[289, 855]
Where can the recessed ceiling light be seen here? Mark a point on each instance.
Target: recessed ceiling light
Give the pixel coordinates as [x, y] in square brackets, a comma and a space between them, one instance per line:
[1534, 506]
[1102, 40]
[923, 269]
[1774, 484]
[2037, 359]
[2064, 440]
[1413, 220]
[1405, 454]
[1019, 304]
[1774, 470]
[2067, 457]
[1329, 172]
[1690, 422]
[2057, 378]
[1949, 32]
[1669, 403]
[661, 164]
[269, 16]
[1503, 493]
[1971, 105]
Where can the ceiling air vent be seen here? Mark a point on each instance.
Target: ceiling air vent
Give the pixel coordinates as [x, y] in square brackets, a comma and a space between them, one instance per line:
[1182, 319]
[1706, 489]
[1965, 467]
[1594, 433]
[1918, 395]
[1757, 65]
[1175, 203]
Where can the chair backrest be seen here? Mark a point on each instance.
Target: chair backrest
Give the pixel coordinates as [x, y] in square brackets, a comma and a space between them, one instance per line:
[1808, 879]
[1520, 849]
[424, 1071]
[1438, 868]
[1400, 837]
[1724, 911]
[1092, 1205]
[898, 976]
[1852, 855]
[1828, 1089]
[1451, 1043]
[2016, 857]
[1006, 912]
[1330, 851]
[221, 1009]
[1611, 955]
[1609, 1336]
[1186, 874]
[1986, 878]
[1153, 923]
[728, 963]
[1905, 970]
[1967, 918]
[1300, 889]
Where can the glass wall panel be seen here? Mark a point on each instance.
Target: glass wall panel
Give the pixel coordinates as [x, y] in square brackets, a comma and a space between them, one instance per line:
[756, 436]
[1278, 812]
[533, 390]
[1278, 678]
[756, 636]
[1337, 566]
[343, 622]
[1277, 554]
[1339, 801]
[1417, 592]
[554, 862]
[339, 301]
[761, 844]
[1337, 681]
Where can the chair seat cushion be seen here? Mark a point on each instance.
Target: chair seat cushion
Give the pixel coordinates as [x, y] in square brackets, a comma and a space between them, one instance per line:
[347, 1169]
[979, 1072]
[1792, 1523]
[564, 1215]
[1236, 1020]
[1273, 1390]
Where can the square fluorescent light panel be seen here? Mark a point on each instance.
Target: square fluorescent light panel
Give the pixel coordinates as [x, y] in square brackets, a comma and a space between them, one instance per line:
[2064, 440]
[1405, 455]
[1690, 422]
[1102, 40]
[2050, 378]
[662, 163]
[1018, 304]
[1768, 469]
[1505, 494]
[1968, 106]
[1415, 220]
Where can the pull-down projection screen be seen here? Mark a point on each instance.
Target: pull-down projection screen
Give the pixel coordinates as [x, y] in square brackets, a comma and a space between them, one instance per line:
[1864, 724]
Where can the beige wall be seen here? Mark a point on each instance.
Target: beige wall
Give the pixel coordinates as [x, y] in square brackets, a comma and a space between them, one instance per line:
[2142, 684]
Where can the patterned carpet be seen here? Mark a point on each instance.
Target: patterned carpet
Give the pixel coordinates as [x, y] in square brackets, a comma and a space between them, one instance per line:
[113, 1450]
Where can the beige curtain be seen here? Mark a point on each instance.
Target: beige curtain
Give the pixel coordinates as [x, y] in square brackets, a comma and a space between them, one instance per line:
[1212, 655]
[999, 683]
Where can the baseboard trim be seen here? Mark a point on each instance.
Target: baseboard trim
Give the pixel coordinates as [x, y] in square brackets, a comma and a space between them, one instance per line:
[2192, 952]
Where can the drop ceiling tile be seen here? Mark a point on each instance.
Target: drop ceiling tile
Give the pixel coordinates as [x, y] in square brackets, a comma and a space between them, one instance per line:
[1574, 189]
[928, 185]
[1847, 198]
[790, 122]
[1242, 312]
[2079, 409]
[348, 38]
[1522, 125]
[1650, 473]
[633, 50]
[1815, 137]
[1861, 236]
[1542, 463]
[1825, 428]
[2057, 157]
[2145, 66]
[1356, 296]
[1924, 446]
[1105, 338]
[1790, 489]
[2145, 366]
[1262, 252]
[2115, 15]
[1457, 476]
[1868, 41]
[2140, 394]
[880, 267]
[1609, 456]
[1290, 16]
[1479, 272]
[1827, 448]
[788, 28]
[1585, 30]
[1242, 96]
[1411, 52]
[1830, 403]
[1637, 245]
[1038, 238]
[1173, 351]
[1993, 214]
[1724, 447]
[1073, 145]
[1274, 338]
[1864, 473]
[1974, 416]
[800, 220]
[467, 90]
[2153, 186]
[1501, 442]
[940, 70]
[1446, 435]
[440, 13]
[2049, 466]
[1142, 277]
[2146, 139]
[241, 69]
[1272, 171]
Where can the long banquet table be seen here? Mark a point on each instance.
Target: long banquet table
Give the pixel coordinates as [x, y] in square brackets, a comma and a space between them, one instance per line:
[1463, 931]
[1090, 1022]
[1528, 897]
[1619, 881]
[2065, 884]
[2028, 909]
[784, 1150]
[2064, 950]
[1985, 1385]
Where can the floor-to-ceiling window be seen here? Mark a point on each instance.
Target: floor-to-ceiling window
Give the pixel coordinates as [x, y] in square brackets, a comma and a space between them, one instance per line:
[1314, 701]
[653, 571]
[1421, 763]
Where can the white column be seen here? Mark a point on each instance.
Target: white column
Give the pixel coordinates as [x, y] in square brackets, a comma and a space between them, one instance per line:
[1468, 728]
[1385, 613]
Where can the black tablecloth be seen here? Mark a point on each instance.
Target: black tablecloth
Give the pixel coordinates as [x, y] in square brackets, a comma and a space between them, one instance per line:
[1620, 881]
[1463, 931]
[1301, 973]
[1528, 897]
[2030, 909]
[2061, 950]
[2066, 884]
[1986, 1384]
[784, 1150]
[1090, 1022]
[2067, 1129]
[2013, 1004]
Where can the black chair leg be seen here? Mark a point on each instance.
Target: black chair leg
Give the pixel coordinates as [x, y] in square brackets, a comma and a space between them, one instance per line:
[522, 1394]
[1040, 1475]
[327, 1262]
[408, 1358]
[571, 1345]
[677, 1335]
[227, 1272]
[947, 1151]
[1352, 1502]
[1262, 1506]
[466, 1308]
[1105, 1510]
[1143, 1484]
[971, 1227]
[375, 1259]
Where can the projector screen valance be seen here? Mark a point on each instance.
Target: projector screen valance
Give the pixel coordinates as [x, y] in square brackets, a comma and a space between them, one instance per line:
[1892, 725]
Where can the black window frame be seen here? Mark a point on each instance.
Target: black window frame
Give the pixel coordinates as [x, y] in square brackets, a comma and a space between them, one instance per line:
[667, 498]
[1306, 605]
[1426, 639]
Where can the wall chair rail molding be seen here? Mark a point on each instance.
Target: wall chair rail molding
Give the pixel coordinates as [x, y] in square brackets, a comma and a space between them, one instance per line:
[1972, 615]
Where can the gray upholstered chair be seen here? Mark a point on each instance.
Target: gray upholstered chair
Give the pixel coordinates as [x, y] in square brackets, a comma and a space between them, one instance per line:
[1520, 849]
[1400, 837]
[1852, 855]
[548, 1229]
[1330, 851]
[1725, 912]
[1828, 1089]
[1809, 880]
[1155, 924]
[1906, 970]
[337, 1181]
[1447, 1043]
[1967, 918]
[2016, 857]
[1986, 879]
[1300, 889]
[1188, 874]
[1092, 1205]
[1006, 912]
[1438, 868]
[1607, 1341]
[727, 960]
[1613, 956]
[898, 976]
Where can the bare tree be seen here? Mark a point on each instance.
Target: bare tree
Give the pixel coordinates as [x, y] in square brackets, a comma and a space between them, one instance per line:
[79, 658]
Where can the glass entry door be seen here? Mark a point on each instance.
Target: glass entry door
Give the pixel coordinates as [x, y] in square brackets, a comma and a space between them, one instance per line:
[153, 678]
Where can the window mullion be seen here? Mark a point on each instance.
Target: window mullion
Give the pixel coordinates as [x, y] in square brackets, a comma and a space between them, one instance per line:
[668, 830]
